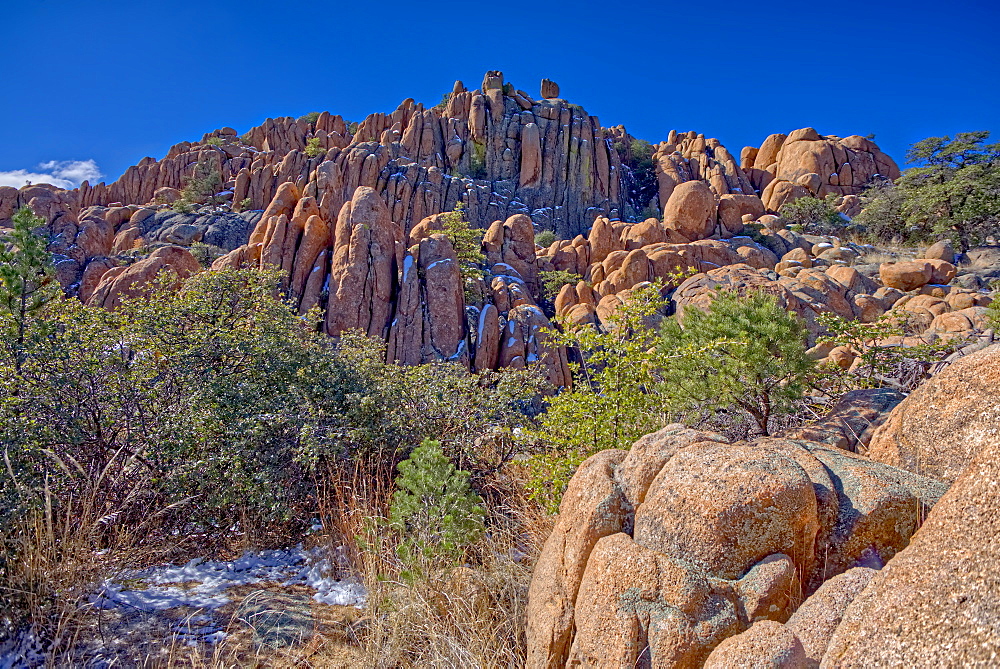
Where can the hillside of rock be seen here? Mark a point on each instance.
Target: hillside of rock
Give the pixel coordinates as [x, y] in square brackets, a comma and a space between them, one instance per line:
[346, 210]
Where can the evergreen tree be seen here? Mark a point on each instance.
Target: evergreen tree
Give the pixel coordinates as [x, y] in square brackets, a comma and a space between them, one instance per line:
[26, 279]
[758, 363]
[434, 508]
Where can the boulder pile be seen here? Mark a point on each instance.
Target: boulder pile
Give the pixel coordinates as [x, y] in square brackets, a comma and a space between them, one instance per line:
[686, 551]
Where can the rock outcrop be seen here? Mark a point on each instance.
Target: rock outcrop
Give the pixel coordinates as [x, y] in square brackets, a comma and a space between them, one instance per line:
[661, 553]
[945, 423]
[803, 162]
[935, 603]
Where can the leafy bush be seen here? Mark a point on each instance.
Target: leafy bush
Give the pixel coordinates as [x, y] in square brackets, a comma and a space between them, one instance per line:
[617, 396]
[815, 215]
[214, 141]
[900, 367]
[310, 118]
[313, 147]
[468, 243]
[953, 191]
[206, 254]
[993, 311]
[882, 215]
[201, 187]
[552, 282]
[756, 361]
[745, 356]
[434, 509]
[545, 238]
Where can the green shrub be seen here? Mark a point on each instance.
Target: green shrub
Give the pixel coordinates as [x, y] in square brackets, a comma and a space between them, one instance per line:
[545, 238]
[206, 254]
[993, 311]
[815, 215]
[434, 509]
[214, 141]
[617, 395]
[443, 104]
[310, 118]
[313, 147]
[468, 244]
[202, 186]
[880, 366]
[882, 218]
[552, 282]
[756, 365]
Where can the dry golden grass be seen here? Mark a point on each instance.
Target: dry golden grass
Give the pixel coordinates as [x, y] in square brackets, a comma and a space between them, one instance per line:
[468, 616]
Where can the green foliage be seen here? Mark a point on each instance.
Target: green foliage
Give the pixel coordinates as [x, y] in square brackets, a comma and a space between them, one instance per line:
[882, 215]
[955, 189]
[221, 400]
[443, 104]
[434, 509]
[477, 162]
[756, 364]
[206, 254]
[545, 238]
[468, 243]
[880, 365]
[313, 147]
[182, 206]
[618, 394]
[200, 187]
[993, 312]
[245, 204]
[745, 355]
[247, 138]
[310, 118]
[27, 281]
[642, 154]
[552, 282]
[639, 179]
[214, 141]
[815, 215]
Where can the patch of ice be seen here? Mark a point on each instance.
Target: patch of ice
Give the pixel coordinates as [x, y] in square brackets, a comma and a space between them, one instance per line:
[202, 583]
[22, 650]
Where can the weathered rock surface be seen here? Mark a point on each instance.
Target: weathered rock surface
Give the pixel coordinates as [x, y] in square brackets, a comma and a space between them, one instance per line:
[691, 541]
[935, 603]
[816, 620]
[134, 280]
[766, 645]
[946, 422]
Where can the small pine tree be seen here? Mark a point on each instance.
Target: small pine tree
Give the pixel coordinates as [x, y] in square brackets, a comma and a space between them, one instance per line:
[762, 368]
[202, 185]
[468, 244]
[26, 278]
[434, 509]
[313, 147]
[816, 215]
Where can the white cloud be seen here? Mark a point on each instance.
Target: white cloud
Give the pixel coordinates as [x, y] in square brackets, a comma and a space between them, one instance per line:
[61, 173]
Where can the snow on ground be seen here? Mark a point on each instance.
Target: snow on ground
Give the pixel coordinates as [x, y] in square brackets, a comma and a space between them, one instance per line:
[208, 580]
[187, 604]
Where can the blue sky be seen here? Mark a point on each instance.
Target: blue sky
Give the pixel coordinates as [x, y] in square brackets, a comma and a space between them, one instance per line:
[113, 81]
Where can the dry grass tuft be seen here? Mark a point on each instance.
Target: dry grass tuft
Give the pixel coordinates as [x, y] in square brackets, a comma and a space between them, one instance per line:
[466, 616]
